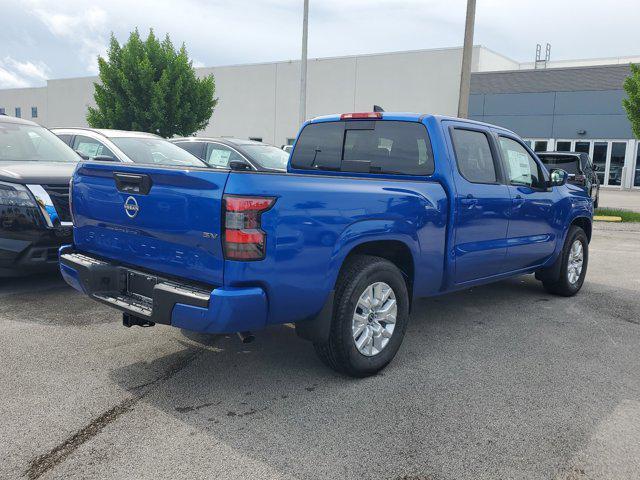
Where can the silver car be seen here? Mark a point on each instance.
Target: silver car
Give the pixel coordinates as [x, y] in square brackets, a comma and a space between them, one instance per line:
[127, 147]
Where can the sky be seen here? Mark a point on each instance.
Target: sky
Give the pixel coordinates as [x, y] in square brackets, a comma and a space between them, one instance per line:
[45, 39]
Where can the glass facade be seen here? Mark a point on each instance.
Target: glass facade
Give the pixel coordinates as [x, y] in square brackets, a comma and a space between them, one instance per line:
[599, 157]
[618, 150]
[609, 156]
[636, 176]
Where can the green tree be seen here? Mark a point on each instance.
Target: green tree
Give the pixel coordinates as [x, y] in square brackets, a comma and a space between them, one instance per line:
[632, 103]
[150, 86]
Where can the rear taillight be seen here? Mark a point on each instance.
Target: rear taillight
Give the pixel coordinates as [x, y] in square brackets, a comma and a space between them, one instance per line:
[243, 238]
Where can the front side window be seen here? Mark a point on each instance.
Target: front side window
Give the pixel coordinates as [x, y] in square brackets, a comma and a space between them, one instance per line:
[473, 156]
[219, 156]
[267, 156]
[155, 151]
[91, 148]
[391, 147]
[32, 143]
[521, 167]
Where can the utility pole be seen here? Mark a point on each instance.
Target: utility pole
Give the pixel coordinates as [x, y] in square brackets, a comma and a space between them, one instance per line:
[303, 64]
[467, 54]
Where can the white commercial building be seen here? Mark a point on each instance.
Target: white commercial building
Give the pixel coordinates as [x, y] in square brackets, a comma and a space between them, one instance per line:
[566, 104]
[261, 100]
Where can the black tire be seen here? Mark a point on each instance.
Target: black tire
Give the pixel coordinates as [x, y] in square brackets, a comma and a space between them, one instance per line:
[340, 352]
[561, 285]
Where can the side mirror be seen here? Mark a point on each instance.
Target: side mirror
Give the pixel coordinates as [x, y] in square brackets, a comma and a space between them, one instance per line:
[558, 177]
[103, 158]
[82, 155]
[239, 166]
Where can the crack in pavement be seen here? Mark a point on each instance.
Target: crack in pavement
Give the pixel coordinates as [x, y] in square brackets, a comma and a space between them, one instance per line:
[45, 462]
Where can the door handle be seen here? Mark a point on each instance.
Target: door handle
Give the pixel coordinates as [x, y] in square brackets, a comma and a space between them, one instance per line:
[469, 201]
[518, 200]
[132, 183]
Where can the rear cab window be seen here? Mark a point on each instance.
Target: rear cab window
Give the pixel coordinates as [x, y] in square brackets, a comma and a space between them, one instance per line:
[565, 162]
[365, 146]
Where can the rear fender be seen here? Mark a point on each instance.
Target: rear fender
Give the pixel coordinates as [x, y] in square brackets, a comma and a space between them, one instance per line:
[368, 231]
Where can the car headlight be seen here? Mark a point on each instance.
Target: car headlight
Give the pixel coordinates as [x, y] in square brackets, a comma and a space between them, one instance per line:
[15, 195]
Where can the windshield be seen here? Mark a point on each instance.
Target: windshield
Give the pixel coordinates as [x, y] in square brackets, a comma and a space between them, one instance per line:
[569, 164]
[32, 143]
[156, 151]
[267, 156]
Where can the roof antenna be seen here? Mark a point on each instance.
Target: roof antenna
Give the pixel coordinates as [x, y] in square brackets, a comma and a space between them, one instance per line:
[378, 108]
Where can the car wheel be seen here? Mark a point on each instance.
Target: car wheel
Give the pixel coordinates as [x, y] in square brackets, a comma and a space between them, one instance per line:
[370, 316]
[573, 267]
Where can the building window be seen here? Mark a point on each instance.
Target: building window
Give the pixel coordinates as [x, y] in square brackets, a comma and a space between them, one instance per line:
[290, 141]
[2, 111]
[256, 139]
[562, 146]
[34, 112]
[540, 146]
[18, 112]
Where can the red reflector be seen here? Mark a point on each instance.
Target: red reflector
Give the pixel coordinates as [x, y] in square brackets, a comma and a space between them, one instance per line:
[243, 236]
[357, 115]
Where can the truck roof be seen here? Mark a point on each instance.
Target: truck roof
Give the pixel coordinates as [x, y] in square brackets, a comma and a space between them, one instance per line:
[410, 117]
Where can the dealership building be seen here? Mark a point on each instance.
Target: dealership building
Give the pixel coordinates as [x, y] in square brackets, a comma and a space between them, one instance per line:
[555, 105]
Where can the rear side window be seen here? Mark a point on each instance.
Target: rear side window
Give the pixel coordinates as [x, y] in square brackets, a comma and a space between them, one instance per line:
[473, 156]
[194, 148]
[391, 147]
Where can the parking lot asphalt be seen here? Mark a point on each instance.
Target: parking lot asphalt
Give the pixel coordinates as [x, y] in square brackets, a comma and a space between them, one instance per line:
[501, 381]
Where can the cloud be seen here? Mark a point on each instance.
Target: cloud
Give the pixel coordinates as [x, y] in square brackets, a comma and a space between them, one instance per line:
[16, 74]
[85, 29]
[70, 34]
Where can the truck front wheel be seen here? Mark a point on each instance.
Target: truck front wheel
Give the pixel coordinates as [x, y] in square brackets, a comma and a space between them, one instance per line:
[370, 316]
[573, 265]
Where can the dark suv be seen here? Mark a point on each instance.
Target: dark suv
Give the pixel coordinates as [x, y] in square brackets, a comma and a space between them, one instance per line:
[35, 219]
[580, 168]
[236, 153]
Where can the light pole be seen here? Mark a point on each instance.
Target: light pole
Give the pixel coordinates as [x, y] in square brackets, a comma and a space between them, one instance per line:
[467, 53]
[303, 64]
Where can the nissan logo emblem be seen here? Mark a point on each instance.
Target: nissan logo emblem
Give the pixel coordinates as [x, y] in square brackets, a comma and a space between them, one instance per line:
[131, 207]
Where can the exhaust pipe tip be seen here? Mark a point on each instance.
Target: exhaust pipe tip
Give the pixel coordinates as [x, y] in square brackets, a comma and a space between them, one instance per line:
[246, 337]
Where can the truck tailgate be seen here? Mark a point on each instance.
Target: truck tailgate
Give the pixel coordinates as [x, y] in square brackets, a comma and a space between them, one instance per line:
[165, 220]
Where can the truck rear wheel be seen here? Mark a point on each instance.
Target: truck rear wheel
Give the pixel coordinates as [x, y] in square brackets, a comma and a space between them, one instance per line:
[370, 316]
[573, 266]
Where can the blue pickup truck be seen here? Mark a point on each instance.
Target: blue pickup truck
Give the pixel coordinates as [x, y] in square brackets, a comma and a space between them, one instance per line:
[375, 211]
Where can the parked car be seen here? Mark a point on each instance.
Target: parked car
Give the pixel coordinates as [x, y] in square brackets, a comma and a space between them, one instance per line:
[580, 168]
[123, 146]
[35, 169]
[376, 211]
[236, 153]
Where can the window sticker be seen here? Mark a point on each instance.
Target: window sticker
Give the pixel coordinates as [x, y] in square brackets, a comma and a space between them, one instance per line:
[89, 149]
[519, 167]
[219, 158]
